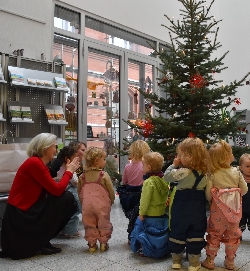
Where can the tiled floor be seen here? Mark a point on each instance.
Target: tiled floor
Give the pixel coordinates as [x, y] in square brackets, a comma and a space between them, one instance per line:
[75, 256]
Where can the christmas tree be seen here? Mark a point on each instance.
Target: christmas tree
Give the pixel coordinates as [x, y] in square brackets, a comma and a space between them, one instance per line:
[192, 102]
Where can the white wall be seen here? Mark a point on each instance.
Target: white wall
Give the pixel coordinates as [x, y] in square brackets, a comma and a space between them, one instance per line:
[234, 35]
[26, 25]
[146, 16]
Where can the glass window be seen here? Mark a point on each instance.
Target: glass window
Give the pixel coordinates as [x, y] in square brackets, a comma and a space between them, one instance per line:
[112, 35]
[66, 50]
[67, 19]
[103, 102]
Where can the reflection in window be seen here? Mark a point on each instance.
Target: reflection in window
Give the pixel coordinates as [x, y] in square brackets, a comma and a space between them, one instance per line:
[66, 19]
[112, 35]
[65, 50]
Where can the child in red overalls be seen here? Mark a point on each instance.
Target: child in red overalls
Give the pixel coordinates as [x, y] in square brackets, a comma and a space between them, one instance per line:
[96, 194]
[227, 185]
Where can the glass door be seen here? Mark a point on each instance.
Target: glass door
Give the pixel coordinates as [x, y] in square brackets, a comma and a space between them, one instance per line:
[110, 95]
[140, 76]
[103, 101]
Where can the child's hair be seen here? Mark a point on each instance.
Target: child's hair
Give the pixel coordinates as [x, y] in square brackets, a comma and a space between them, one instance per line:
[219, 153]
[244, 156]
[66, 153]
[155, 160]
[92, 154]
[198, 158]
[137, 149]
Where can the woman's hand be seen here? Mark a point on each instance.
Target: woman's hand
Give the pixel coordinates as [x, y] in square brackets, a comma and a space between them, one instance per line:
[74, 165]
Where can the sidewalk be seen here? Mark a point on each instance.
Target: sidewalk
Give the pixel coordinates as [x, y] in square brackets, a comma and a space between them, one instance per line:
[75, 256]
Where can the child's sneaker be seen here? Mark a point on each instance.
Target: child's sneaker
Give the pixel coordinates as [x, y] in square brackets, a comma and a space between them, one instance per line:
[104, 247]
[140, 253]
[208, 263]
[92, 248]
[229, 263]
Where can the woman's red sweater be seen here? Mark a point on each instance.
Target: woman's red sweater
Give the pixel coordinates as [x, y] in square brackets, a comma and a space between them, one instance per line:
[33, 181]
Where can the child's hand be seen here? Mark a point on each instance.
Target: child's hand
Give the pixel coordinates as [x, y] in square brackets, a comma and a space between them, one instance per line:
[141, 217]
[177, 162]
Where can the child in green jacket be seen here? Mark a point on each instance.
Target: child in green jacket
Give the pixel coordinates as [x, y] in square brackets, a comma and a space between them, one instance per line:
[150, 234]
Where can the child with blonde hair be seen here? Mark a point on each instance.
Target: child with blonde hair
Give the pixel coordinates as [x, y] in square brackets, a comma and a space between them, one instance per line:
[188, 211]
[244, 166]
[132, 179]
[96, 194]
[225, 187]
[150, 233]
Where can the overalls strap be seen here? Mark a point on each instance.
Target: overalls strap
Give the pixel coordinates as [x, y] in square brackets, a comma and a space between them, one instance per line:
[198, 178]
[100, 177]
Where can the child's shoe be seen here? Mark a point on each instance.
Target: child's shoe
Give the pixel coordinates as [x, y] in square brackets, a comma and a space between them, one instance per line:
[194, 262]
[140, 252]
[104, 247]
[176, 260]
[208, 263]
[92, 247]
[229, 263]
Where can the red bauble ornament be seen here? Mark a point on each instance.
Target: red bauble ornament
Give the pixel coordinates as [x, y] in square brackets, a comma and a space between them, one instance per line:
[163, 81]
[191, 134]
[147, 128]
[237, 101]
[197, 81]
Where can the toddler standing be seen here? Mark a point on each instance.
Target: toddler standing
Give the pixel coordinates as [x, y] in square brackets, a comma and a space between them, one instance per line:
[244, 165]
[132, 179]
[188, 213]
[96, 194]
[226, 185]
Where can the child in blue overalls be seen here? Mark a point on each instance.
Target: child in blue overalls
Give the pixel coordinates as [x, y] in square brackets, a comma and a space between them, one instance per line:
[188, 212]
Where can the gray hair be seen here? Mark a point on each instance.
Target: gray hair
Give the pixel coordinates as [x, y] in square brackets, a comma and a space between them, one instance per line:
[39, 143]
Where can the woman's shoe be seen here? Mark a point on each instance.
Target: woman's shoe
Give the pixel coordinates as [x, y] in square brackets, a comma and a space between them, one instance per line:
[48, 251]
[51, 247]
[69, 236]
[92, 247]
[104, 247]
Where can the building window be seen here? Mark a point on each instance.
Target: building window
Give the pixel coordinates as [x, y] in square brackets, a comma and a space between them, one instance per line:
[116, 36]
[67, 19]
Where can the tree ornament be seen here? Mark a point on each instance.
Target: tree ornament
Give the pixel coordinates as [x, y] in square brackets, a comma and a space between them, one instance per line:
[191, 134]
[147, 128]
[169, 75]
[197, 81]
[163, 81]
[237, 101]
